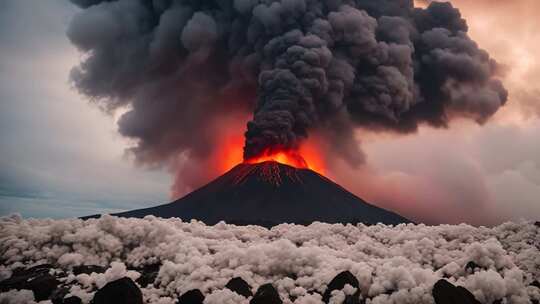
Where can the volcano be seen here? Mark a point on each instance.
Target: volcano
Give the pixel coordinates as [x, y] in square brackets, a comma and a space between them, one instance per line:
[270, 193]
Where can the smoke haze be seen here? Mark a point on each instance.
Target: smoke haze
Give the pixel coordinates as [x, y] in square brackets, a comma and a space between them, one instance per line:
[180, 68]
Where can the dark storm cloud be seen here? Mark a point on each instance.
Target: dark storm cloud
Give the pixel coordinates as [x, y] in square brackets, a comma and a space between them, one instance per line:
[180, 66]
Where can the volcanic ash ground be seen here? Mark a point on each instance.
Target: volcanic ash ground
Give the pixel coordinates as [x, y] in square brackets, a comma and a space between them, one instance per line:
[167, 258]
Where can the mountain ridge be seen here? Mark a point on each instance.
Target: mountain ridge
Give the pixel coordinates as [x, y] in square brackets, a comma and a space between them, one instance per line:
[268, 194]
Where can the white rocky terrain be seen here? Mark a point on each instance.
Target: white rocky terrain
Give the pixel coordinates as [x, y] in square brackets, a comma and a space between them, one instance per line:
[168, 257]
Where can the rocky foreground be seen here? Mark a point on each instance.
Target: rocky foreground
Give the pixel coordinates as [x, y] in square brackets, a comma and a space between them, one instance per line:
[151, 260]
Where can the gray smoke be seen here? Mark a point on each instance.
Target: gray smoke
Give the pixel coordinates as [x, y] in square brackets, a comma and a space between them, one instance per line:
[180, 66]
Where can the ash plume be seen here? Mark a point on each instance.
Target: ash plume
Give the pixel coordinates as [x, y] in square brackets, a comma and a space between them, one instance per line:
[181, 66]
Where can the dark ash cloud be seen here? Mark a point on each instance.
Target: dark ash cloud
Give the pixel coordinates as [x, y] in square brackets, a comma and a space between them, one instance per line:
[181, 66]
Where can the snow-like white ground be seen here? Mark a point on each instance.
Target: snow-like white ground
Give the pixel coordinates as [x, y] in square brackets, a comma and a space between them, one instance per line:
[393, 264]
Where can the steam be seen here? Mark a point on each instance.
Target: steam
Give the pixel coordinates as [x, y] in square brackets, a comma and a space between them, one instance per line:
[182, 67]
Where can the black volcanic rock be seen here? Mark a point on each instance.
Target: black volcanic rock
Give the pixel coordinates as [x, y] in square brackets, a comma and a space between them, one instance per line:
[148, 273]
[72, 300]
[266, 294]
[338, 283]
[88, 269]
[445, 292]
[42, 286]
[239, 286]
[36, 278]
[268, 194]
[193, 296]
[121, 291]
[59, 297]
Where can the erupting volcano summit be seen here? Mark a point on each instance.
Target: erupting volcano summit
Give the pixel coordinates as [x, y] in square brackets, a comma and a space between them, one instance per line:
[269, 193]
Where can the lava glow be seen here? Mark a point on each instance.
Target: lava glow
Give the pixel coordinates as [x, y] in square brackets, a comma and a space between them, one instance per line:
[291, 158]
[306, 157]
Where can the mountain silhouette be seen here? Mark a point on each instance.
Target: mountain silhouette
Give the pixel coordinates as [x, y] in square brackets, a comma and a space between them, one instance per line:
[270, 193]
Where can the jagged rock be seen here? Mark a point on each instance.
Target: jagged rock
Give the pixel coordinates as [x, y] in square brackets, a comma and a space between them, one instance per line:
[445, 292]
[148, 274]
[38, 269]
[88, 269]
[471, 266]
[121, 291]
[193, 296]
[266, 294]
[72, 300]
[36, 278]
[42, 286]
[20, 277]
[338, 282]
[239, 286]
[57, 296]
[16, 281]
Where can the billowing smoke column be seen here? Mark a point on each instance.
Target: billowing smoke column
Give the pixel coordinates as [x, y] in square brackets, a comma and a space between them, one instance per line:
[181, 66]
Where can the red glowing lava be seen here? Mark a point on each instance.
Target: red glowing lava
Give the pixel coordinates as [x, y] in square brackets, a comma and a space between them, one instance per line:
[306, 157]
[287, 157]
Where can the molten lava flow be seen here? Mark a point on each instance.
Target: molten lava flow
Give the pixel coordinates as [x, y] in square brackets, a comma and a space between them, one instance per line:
[307, 156]
[287, 157]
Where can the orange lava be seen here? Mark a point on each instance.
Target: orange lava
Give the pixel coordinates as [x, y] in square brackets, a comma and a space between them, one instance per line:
[306, 157]
[287, 157]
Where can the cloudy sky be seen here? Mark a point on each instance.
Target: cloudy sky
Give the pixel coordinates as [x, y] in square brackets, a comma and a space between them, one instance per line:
[60, 156]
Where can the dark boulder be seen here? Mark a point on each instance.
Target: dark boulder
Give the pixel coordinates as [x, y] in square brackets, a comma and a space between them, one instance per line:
[121, 291]
[445, 292]
[471, 266]
[35, 278]
[239, 286]
[57, 296]
[88, 269]
[16, 281]
[353, 299]
[20, 277]
[339, 282]
[536, 284]
[35, 270]
[148, 273]
[72, 300]
[42, 286]
[193, 296]
[266, 294]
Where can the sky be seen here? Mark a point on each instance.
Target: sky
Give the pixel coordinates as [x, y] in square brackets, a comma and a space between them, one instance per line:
[61, 156]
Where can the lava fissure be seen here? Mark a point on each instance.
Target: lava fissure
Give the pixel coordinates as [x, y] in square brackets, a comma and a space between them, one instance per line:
[267, 171]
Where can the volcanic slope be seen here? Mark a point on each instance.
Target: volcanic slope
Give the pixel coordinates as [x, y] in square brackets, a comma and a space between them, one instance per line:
[268, 194]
